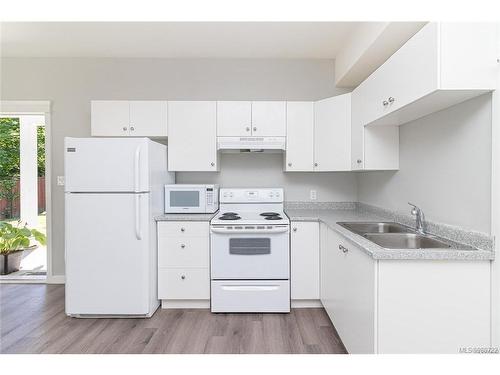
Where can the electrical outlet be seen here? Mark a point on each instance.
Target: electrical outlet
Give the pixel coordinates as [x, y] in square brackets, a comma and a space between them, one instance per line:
[312, 195]
[60, 180]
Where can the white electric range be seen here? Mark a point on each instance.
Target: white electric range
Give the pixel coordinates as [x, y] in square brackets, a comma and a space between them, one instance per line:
[250, 252]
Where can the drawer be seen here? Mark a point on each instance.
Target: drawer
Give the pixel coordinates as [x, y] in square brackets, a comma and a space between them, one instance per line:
[250, 296]
[183, 252]
[183, 283]
[183, 229]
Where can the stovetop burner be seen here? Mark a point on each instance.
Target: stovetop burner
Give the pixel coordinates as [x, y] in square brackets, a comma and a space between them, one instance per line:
[229, 214]
[269, 214]
[274, 217]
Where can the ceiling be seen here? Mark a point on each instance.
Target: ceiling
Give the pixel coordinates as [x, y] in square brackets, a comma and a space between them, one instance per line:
[175, 39]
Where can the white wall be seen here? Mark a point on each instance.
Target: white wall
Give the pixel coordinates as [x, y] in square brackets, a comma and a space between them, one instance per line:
[445, 168]
[71, 83]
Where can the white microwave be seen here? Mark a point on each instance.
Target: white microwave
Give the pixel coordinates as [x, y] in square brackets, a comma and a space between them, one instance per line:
[180, 198]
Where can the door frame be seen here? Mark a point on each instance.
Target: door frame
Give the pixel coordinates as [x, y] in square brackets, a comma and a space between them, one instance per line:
[39, 107]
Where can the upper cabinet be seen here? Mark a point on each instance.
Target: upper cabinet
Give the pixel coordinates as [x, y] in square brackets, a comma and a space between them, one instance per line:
[442, 65]
[269, 119]
[234, 119]
[332, 134]
[319, 135]
[120, 118]
[299, 156]
[192, 128]
[245, 118]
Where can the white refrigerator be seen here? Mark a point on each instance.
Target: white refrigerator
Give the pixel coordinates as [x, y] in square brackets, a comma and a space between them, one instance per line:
[113, 191]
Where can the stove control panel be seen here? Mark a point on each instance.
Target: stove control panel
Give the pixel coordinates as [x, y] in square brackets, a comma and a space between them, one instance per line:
[259, 195]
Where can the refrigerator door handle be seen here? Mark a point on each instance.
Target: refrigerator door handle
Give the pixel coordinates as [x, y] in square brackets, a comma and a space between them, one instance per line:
[138, 231]
[137, 165]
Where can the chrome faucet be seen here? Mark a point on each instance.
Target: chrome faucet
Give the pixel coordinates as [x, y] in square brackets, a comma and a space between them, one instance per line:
[420, 218]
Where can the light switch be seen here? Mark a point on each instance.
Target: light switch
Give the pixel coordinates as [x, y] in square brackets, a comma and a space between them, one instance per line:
[60, 180]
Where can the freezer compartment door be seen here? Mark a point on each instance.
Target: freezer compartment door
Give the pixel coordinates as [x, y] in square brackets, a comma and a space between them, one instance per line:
[107, 254]
[106, 165]
[251, 296]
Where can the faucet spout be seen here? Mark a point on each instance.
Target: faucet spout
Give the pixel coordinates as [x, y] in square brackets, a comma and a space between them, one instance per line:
[420, 218]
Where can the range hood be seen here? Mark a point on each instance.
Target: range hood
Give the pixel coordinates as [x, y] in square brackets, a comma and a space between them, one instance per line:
[251, 144]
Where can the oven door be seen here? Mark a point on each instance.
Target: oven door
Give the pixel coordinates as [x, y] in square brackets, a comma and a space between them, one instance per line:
[250, 254]
[185, 200]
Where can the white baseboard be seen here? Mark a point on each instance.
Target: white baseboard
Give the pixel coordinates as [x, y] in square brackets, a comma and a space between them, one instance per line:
[56, 279]
[306, 303]
[185, 304]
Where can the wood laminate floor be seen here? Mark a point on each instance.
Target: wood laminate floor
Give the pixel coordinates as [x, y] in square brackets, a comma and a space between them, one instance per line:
[32, 320]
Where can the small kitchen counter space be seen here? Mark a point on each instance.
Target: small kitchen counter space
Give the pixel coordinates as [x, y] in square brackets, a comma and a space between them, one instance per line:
[330, 217]
[185, 217]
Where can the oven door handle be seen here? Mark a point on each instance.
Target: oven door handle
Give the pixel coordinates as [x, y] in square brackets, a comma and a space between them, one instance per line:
[249, 231]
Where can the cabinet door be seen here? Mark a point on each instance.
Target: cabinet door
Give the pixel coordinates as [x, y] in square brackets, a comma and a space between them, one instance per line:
[192, 136]
[269, 119]
[354, 305]
[109, 118]
[305, 260]
[234, 119]
[332, 134]
[333, 277]
[148, 118]
[357, 128]
[299, 136]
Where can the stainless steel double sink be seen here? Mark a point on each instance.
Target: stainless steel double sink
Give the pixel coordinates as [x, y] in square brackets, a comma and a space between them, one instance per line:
[391, 235]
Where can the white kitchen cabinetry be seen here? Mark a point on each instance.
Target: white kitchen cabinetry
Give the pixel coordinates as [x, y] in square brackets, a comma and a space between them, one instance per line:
[332, 134]
[304, 260]
[192, 144]
[348, 291]
[442, 65]
[269, 119]
[299, 137]
[183, 259]
[403, 306]
[234, 118]
[121, 118]
[244, 118]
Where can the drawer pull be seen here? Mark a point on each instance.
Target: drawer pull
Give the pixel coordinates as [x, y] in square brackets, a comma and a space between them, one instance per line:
[183, 277]
[183, 246]
[183, 230]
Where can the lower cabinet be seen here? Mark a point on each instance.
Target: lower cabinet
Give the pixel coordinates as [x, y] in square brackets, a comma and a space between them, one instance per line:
[348, 291]
[183, 258]
[403, 306]
[304, 261]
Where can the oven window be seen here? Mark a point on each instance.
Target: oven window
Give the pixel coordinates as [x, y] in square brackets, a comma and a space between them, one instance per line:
[249, 246]
[184, 199]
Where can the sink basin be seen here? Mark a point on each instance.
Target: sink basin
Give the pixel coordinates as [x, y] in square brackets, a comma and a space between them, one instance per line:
[382, 227]
[406, 241]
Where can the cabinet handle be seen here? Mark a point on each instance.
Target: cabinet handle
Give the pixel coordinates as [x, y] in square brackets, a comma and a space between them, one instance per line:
[212, 164]
[289, 164]
[295, 229]
[344, 249]
[183, 277]
[254, 128]
[391, 99]
[359, 161]
[248, 128]
[385, 103]
[183, 246]
[124, 128]
[182, 229]
[315, 164]
[132, 128]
